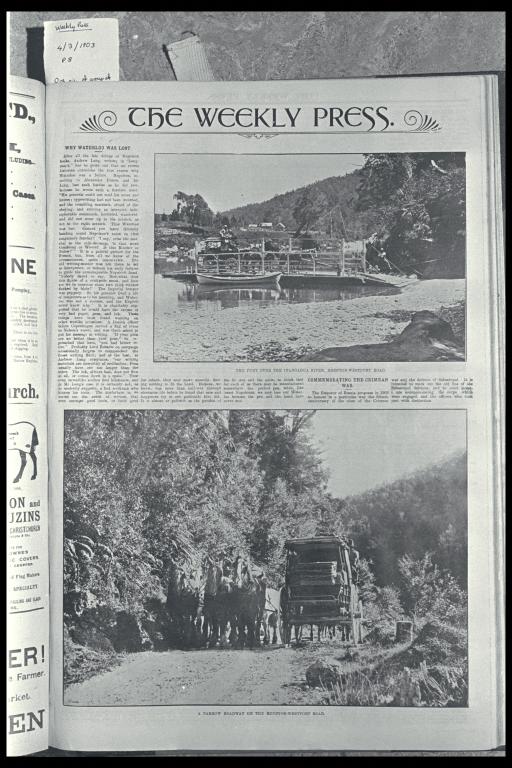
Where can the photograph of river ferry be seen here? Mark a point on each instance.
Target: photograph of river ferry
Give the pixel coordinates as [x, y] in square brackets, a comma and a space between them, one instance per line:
[274, 257]
[265, 557]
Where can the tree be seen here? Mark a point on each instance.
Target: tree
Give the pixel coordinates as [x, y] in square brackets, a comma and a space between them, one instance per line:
[367, 587]
[144, 490]
[428, 591]
[448, 601]
[193, 208]
[307, 209]
[281, 443]
[421, 203]
[417, 583]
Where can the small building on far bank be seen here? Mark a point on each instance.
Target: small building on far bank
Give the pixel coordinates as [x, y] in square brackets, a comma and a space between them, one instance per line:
[209, 243]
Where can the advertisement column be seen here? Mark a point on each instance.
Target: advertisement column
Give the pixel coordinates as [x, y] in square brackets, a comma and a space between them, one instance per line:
[27, 517]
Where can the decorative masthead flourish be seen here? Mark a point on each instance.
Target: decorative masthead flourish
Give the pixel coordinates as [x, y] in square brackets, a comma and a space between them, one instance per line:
[258, 135]
[420, 123]
[103, 123]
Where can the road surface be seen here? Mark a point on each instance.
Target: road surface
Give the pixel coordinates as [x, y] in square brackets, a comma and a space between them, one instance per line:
[266, 676]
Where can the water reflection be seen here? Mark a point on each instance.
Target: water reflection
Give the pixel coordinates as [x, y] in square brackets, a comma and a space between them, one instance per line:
[191, 294]
[230, 298]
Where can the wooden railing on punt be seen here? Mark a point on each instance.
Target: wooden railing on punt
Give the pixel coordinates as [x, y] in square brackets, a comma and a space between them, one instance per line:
[349, 259]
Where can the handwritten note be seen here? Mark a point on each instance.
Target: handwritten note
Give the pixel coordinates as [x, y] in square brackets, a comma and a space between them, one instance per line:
[77, 50]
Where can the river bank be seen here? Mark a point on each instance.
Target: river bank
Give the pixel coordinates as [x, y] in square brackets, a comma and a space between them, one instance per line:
[284, 332]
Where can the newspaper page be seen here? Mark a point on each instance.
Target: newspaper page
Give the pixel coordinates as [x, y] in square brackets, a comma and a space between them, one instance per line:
[273, 415]
[27, 479]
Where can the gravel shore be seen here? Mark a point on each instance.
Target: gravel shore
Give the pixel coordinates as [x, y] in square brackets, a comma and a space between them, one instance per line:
[285, 332]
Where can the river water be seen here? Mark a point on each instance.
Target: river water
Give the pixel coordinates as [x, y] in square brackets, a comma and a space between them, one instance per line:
[187, 297]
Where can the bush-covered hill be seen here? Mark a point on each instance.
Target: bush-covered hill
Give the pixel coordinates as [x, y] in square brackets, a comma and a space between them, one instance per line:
[337, 198]
[425, 512]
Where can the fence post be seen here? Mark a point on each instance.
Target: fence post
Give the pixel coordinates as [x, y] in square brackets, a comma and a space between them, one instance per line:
[239, 269]
[364, 256]
[343, 258]
[403, 632]
[195, 256]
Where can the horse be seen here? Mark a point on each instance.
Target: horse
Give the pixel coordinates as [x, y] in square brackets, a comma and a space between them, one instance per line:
[197, 584]
[185, 605]
[213, 578]
[23, 438]
[248, 603]
[224, 610]
[219, 605]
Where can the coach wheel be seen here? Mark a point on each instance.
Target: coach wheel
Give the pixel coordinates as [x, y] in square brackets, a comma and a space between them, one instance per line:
[284, 625]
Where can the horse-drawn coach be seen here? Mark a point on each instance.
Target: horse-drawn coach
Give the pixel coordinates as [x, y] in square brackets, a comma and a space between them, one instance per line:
[321, 587]
[228, 603]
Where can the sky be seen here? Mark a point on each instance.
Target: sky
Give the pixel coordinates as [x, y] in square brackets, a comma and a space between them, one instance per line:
[364, 449]
[228, 181]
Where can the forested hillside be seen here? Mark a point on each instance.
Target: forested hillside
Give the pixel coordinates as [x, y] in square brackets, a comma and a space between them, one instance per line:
[335, 199]
[425, 512]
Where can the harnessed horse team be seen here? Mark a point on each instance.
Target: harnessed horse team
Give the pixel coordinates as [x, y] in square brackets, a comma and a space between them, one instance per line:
[224, 604]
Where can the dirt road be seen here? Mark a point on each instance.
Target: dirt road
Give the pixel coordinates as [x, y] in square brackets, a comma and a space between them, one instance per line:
[273, 675]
